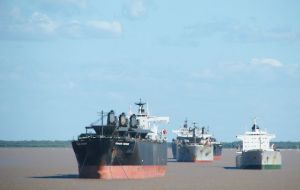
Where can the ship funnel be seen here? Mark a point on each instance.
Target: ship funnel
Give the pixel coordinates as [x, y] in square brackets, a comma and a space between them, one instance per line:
[133, 122]
[123, 120]
[111, 119]
[202, 130]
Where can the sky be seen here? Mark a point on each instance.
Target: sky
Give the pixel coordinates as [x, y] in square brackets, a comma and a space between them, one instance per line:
[216, 63]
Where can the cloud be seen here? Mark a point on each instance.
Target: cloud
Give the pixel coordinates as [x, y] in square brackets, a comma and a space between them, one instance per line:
[39, 22]
[268, 69]
[114, 26]
[267, 61]
[91, 29]
[72, 29]
[136, 9]
[35, 26]
[41, 26]
[232, 31]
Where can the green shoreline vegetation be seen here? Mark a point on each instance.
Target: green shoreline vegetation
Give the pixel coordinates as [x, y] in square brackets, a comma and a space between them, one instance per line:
[67, 143]
[277, 144]
[35, 143]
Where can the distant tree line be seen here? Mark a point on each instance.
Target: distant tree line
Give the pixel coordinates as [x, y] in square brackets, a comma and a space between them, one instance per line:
[35, 143]
[278, 145]
[46, 143]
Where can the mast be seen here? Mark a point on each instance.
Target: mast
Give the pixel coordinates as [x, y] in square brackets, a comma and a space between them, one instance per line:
[254, 126]
[194, 132]
[185, 125]
[141, 110]
[102, 116]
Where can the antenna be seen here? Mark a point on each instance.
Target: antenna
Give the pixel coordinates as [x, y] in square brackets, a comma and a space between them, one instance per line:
[147, 108]
[129, 112]
[194, 124]
[185, 125]
[102, 114]
[254, 120]
[141, 107]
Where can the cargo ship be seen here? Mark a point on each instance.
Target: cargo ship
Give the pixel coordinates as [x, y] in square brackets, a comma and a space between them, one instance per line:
[192, 144]
[256, 152]
[126, 147]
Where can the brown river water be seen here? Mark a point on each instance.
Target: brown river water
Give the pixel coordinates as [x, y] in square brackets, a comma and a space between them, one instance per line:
[56, 168]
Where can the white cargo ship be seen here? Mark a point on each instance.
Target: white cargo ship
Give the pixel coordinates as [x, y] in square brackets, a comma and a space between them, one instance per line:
[256, 152]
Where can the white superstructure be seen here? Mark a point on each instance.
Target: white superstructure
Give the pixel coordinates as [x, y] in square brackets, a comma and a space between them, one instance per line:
[148, 122]
[256, 139]
[185, 131]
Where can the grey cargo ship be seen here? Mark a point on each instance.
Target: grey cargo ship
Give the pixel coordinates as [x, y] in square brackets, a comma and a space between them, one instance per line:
[192, 144]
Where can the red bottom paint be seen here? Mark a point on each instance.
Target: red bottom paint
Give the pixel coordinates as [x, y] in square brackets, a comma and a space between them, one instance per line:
[217, 157]
[203, 161]
[122, 172]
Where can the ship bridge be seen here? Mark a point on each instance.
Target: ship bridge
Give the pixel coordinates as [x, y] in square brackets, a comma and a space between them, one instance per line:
[256, 139]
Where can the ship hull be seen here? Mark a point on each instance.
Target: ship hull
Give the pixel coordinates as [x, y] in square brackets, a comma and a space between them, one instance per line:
[194, 153]
[217, 151]
[109, 158]
[259, 159]
[174, 149]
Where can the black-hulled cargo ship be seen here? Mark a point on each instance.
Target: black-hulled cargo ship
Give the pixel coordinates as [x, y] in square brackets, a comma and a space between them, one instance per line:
[127, 147]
